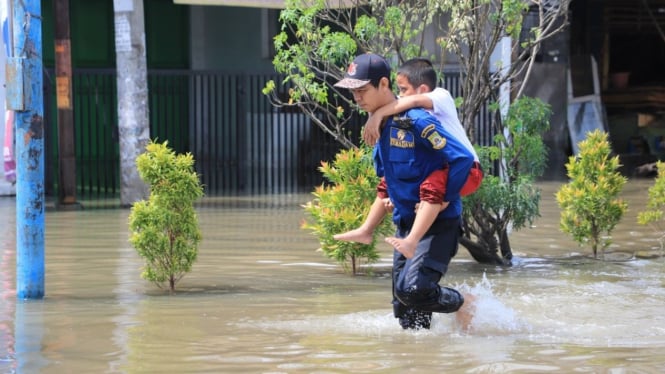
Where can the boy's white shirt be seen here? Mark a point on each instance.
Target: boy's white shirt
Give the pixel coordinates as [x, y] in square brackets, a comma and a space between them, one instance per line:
[443, 108]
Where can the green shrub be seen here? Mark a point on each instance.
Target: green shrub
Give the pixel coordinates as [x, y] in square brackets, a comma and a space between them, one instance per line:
[590, 201]
[165, 229]
[653, 215]
[343, 204]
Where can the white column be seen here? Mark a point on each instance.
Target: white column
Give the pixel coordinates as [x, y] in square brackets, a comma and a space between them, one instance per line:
[133, 116]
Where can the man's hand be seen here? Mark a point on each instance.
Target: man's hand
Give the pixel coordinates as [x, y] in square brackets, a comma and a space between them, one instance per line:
[372, 129]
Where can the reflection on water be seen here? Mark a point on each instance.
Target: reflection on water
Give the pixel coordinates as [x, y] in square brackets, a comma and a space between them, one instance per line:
[261, 299]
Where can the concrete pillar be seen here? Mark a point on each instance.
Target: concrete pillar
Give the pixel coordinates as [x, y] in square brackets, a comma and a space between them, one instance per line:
[133, 119]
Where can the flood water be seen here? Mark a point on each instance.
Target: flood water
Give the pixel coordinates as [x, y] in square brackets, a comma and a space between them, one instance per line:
[261, 299]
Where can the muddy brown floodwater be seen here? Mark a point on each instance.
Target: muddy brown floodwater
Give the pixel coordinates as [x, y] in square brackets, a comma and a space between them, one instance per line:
[262, 299]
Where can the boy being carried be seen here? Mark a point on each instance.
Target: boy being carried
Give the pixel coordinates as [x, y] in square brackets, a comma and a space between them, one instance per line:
[416, 80]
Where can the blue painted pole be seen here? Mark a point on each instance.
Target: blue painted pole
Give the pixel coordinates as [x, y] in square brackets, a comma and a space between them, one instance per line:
[25, 98]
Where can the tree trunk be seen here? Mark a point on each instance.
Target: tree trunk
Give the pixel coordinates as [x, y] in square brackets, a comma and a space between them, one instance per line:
[133, 126]
[482, 254]
[479, 236]
[504, 243]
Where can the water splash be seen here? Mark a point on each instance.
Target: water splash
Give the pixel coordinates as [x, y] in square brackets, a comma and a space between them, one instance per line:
[492, 316]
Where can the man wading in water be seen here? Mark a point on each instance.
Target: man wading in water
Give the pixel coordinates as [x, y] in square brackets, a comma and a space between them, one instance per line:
[409, 149]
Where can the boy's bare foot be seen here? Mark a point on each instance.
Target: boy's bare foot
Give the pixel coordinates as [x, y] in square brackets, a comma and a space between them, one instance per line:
[403, 246]
[357, 235]
[466, 312]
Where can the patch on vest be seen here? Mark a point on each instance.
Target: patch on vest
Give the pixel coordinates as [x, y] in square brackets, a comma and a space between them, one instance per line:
[401, 139]
[437, 140]
[433, 136]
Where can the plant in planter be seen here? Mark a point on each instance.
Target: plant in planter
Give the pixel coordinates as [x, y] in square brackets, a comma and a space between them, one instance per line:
[590, 201]
[342, 205]
[165, 229]
[653, 215]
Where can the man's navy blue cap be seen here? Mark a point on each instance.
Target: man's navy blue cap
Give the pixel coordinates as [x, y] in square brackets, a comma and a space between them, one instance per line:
[364, 69]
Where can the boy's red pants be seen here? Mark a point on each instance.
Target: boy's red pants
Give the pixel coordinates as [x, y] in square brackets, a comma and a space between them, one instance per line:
[433, 187]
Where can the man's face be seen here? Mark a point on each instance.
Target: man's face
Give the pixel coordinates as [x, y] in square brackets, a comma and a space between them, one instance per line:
[367, 97]
[405, 88]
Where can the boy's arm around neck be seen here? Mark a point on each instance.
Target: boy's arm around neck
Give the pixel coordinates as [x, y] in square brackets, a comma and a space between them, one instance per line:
[403, 104]
[374, 123]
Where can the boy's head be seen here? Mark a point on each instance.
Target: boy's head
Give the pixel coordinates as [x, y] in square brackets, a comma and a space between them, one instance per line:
[368, 79]
[416, 76]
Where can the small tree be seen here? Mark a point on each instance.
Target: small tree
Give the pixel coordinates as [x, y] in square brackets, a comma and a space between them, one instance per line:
[590, 201]
[653, 215]
[343, 205]
[507, 197]
[164, 229]
[319, 39]
[475, 29]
